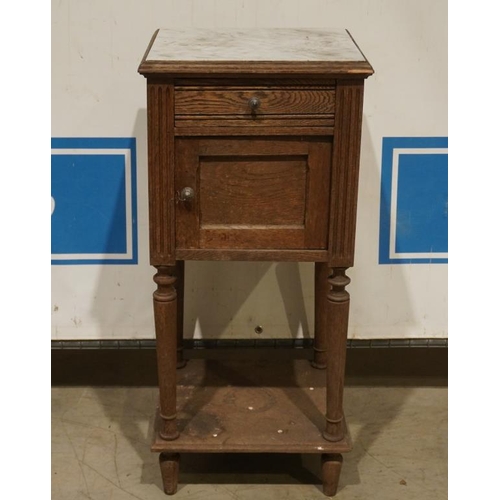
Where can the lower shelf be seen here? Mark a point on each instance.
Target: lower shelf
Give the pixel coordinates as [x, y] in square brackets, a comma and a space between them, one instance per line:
[250, 407]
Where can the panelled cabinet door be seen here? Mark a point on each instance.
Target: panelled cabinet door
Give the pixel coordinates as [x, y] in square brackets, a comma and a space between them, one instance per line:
[252, 193]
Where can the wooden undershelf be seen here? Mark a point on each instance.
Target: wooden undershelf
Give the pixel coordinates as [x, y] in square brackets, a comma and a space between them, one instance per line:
[250, 407]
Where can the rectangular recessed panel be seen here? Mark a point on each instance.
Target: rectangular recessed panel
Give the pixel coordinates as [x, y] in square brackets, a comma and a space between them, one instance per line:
[253, 191]
[258, 194]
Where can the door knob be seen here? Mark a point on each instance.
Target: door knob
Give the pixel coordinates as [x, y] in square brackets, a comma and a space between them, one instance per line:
[187, 194]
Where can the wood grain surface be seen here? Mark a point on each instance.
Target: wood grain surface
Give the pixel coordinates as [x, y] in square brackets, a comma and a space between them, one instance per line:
[263, 128]
[253, 190]
[345, 172]
[253, 255]
[253, 69]
[254, 121]
[252, 407]
[253, 193]
[161, 173]
[236, 102]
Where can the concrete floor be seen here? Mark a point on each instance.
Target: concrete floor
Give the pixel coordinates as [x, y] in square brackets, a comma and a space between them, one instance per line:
[101, 436]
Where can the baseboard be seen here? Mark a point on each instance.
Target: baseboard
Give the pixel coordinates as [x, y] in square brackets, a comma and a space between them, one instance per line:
[107, 363]
[236, 343]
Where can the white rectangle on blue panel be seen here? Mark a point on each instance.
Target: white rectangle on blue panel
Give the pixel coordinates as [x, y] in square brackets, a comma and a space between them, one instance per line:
[414, 200]
[94, 207]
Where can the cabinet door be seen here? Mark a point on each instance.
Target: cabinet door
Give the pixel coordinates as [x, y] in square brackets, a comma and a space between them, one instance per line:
[252, 193]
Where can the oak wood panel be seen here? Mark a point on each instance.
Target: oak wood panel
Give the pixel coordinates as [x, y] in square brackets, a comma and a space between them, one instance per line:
[318, 82]
[316, 219]
[214, 398]
[261, 146]
[345, 171]
[252, 255]
[274, 69]
[186, 175]
[160, 98]
[265, 184]
[287, 120]
[236, 102]
[276, 237]
[253, 190]
[242, 130]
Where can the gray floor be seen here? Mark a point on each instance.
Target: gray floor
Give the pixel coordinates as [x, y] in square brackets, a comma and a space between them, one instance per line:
[100, 450]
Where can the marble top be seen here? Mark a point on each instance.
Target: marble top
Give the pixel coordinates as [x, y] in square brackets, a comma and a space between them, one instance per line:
[271, 44]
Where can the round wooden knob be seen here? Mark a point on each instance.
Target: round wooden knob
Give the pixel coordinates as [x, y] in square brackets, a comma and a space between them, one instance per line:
[187, 194]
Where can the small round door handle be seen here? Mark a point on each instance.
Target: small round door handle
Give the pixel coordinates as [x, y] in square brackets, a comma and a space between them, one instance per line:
[254, 103]
[187, 194]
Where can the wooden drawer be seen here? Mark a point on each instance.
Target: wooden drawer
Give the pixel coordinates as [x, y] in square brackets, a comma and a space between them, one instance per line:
[254, 102]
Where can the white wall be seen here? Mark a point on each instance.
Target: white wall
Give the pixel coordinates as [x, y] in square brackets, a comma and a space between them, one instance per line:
[97, 92]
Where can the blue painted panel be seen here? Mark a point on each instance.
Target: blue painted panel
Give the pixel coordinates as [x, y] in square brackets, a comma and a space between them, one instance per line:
[94, 218]
[422, 204]
[414, 200]
[89, 209]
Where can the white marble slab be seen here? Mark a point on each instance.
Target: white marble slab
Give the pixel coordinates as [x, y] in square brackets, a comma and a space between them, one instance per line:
[271, 44]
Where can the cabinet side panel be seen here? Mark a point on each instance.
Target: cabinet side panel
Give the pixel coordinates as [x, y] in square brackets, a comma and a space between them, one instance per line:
[161, 173]
[345, 171]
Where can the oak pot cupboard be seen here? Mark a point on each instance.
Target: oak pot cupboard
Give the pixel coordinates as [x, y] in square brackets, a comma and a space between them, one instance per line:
[253, 146]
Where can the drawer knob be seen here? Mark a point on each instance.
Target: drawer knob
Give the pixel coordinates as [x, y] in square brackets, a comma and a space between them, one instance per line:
[254, 103]
[187, 194]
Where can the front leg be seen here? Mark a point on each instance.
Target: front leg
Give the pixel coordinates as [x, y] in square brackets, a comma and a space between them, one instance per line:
[336, 342]
[165, 313]
[331, 465]
[169, 466]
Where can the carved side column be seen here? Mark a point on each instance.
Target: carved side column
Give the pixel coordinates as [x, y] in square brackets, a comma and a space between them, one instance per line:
[165, 313]
[337, 311]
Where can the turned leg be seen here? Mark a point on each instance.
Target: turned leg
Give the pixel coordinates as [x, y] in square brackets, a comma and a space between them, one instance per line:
[179, 270]
[331, 465]
[169, 466]
[321, 272]
[337, 317]
[165, 314]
